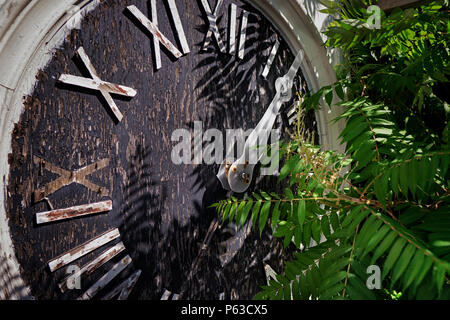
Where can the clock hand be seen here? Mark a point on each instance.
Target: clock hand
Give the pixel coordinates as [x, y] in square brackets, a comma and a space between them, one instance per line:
[237, 176]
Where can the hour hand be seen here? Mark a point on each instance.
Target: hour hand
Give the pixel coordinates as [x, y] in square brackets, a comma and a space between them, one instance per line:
[238, 175]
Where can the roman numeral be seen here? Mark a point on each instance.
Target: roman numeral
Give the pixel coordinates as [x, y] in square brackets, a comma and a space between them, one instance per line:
[83, 249]
[243, 34]
[158, 37]
[73, 212]
[89, 268]
[68, 177]
[178, 26]
[232, 29]
[96, 83]
[272, 55]
[213, 28]
[106, 278]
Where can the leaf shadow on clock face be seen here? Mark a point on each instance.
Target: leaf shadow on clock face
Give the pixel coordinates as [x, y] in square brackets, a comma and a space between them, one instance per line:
[172, 251]
[85, 73]
[160, 208]
[145, 31]
[233, 87]
[164, 252]
[12, 286]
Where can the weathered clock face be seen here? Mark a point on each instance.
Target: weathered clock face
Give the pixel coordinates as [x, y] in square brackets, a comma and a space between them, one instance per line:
[69, 146]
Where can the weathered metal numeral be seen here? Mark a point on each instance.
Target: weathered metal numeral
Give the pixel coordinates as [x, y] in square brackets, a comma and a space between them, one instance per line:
[73, 212]
[96, 83]
[158, 37]
[106, 278]
[243, 34]
[213, 29]
[272, 55]
[89, 268]
[232, 29]
[83, 249]
[68, 177]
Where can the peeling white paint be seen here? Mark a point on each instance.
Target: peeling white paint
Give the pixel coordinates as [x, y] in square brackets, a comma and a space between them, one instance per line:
[27, 45]
[30, 32]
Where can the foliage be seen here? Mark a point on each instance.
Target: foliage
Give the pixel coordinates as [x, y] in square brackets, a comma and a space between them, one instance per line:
[386, 200]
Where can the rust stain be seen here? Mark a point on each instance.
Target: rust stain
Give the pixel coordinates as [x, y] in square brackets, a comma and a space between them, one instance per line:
[71, 213]
[150, 191]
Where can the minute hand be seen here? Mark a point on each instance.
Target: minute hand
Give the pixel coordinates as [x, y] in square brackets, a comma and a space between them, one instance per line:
[241, 172]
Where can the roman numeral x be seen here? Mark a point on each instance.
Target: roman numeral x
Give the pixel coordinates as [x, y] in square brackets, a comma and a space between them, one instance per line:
[105, 88]
[213, 28]
[68, 177]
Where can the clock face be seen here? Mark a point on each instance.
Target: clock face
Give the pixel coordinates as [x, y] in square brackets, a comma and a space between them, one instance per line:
[70, 149]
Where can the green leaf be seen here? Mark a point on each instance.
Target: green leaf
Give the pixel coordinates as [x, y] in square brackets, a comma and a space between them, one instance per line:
[412, 215]
[233, 211]
[380, 187]
[352, 215]
[365, 154]
[298, 233]
[329, 96]
[304, 259]
[283, 228]
[358, 290]
[246, 211]
[440, 277]
[414, 268]
[306, 233]
[385, 244]
[358, 218]
[368, 231]
[263, 216]
[325, 225]
[275, 214]
[333, 291]
[315, 230]
[402, 263]
[239, 210]
[288, 168]
[427, 263]
[288, 193]
[334, 221]
[226, 211]
[256, 196]
[375, 239]
[265, 195]
[339, 90]
[393, 255]
[260, 296]
[394, 179]
[354, 129]
[288, 237]
[301, 213]
[337, 277]
[404, 180]
[255, 212]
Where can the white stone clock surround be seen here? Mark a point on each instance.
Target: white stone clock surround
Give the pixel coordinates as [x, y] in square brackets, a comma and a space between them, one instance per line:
[31, 29]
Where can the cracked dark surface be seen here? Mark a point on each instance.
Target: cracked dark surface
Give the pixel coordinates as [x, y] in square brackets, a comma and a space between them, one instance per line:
[161, 209]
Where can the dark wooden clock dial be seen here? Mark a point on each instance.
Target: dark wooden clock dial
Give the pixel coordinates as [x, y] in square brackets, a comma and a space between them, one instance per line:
[159, 208]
